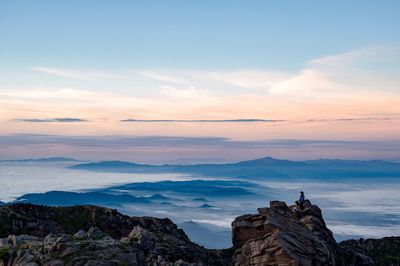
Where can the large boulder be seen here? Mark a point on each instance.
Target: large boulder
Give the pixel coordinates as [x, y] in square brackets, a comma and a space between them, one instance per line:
[57, 250]
[282, 235]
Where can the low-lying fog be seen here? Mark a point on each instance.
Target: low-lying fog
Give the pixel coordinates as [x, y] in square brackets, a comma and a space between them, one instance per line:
[351, 207]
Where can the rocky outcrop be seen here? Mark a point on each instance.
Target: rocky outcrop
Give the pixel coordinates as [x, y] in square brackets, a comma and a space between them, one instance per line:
[384, 251]
[90, 235]
[68, 250]
[282, 235]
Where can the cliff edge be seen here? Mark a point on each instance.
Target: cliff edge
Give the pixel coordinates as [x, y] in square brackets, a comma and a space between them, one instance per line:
[282, 235]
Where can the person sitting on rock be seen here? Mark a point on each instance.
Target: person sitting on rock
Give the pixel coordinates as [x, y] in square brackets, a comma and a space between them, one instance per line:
[301, 200]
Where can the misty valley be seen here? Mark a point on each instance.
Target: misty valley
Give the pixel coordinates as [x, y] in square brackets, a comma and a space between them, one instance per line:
[358, 198]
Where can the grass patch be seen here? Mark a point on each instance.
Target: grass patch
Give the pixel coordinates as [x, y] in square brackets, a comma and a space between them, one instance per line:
[4, 254]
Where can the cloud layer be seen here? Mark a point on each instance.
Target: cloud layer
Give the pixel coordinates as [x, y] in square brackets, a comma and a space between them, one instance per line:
[248, 120]
[348, 96]
[50, 120]
[161, 149]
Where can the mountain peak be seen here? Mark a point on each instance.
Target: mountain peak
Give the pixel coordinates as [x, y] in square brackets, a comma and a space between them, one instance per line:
[42, 160]
[269, 161]
[106, 165]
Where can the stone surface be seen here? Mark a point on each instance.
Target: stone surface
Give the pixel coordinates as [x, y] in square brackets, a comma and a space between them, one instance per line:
[41, 235]
[95, 233]
[278, 204]
[89, 235]
[80, 234]
[384, 251]
[263, 211]
[282, 235]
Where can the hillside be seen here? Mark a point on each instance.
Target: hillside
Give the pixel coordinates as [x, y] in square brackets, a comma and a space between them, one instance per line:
[384, 251]
[266, 167]
[90, 235]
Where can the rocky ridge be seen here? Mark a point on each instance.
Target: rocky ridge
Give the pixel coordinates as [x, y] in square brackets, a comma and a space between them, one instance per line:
[282, 235]
[384, 251]
[90, 235]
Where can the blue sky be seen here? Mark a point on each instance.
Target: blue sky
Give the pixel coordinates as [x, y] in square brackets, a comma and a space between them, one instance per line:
[189, 34]
[238, 70]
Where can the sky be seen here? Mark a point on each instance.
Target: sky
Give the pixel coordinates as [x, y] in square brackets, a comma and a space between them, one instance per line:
[195, 81]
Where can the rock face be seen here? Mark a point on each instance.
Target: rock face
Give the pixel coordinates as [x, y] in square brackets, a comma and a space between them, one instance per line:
[89, 235]
[384, 251]
[282, 235]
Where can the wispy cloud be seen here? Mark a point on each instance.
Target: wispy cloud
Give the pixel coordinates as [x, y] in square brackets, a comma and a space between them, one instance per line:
[357, 70]
[172, 148]
[351, 119]
[245, 120]
[73, 74]
[260, 120]
[363, 70]
[365, 231]
[161, 77]
[187, 93]
[236, 120]
[356, 88]
[50, 120]
[366, 199]
[250, 79]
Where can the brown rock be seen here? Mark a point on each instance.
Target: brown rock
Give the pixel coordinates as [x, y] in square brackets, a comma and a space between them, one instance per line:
[277, 236]
[45, 235]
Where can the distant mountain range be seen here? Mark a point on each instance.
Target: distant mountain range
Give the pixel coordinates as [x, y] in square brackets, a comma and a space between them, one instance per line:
[133, 193]
[41, 160]
[64, 198]
[203, 235]
[267, 167]
[207, 188]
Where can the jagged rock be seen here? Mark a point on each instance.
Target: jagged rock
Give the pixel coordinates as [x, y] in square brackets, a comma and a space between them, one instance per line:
[4, 243]
[89, 235]
[144, 237]
[276, 204]
[58, 237]
[263, 211]
[279, 236]
[64, 250]
[14, 240]
[95, 233]
[384, 251]
[307, 204]
[80, 234]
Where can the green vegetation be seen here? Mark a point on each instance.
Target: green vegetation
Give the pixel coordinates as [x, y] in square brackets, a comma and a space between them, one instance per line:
[72, 223]
[385, 251]
[6, 224]
[385, 257]
[4, 254]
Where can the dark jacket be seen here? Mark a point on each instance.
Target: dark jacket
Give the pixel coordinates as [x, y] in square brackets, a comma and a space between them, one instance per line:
[301, 199]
